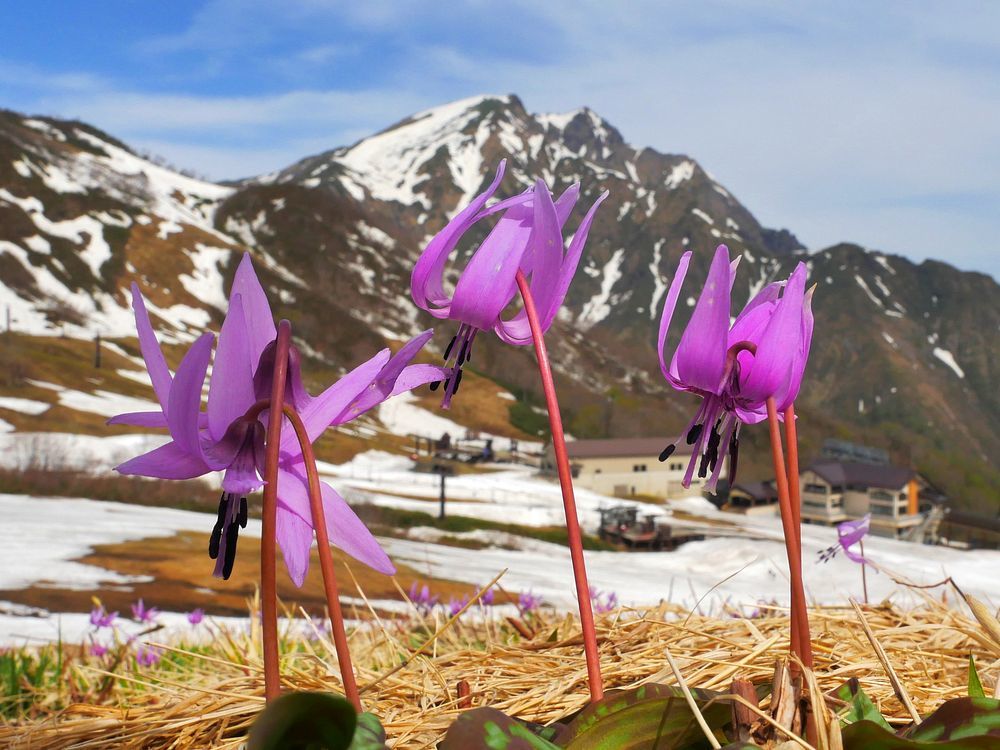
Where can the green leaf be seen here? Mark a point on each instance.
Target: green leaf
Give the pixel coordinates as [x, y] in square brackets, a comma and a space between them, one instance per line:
[304, 721]
[960, 718]
[975, 686]
[653, 716]
[369, 734]
[489, 729]
[860, 706]
[959, 724]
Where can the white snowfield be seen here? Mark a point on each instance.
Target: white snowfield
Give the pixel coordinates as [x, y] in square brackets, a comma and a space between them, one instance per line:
[740, 569]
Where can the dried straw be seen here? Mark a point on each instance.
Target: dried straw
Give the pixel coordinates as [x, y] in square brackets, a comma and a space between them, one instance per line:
[212, 702]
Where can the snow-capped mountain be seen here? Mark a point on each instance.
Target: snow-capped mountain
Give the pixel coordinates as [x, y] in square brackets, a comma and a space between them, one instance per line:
[905, 355]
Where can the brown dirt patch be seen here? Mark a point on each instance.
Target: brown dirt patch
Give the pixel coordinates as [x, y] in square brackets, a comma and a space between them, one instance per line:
[182, 579]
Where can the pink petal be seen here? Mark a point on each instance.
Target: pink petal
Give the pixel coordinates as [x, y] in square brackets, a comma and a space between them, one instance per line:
[802, 356]
[230, 392]
[668, 310]
[140, 419]
[185, 395]
[771, 369]
[701, 354]
[256, 310]
[552, 289]
[384, 383]
[295, 538]
[156, 364]
[326, 407]
[168, 461]
[426, 283]
[344, 528]
[486, 286]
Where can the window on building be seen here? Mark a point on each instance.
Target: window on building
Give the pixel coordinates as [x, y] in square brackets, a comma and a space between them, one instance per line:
[676, 467]
[639, 467]
[880, 495]
[816, 489]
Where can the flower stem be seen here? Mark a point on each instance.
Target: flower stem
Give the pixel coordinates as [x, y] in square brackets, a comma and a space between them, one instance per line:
[799, 628]
[801, 643]
[326, 562]
[864, 571]
[569, 501]
[269, 521]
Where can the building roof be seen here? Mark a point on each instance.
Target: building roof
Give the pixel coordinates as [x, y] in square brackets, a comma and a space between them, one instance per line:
[623, 447]
[868, 475]
[756, 490]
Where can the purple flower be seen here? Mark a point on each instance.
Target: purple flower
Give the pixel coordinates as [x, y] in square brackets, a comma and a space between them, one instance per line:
[147, 656]
[603, 602]
[97, 649]
[140, 613]
[421, 597]
[99, 618]
[734, 367]
[455, 605]
[224, 439]
[195, 616]
[528, 601]
[849, 533]
[527, 236]
[487, 598]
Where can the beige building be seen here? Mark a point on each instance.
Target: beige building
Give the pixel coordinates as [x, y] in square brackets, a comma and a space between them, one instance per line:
[628, 467]
[836, 491]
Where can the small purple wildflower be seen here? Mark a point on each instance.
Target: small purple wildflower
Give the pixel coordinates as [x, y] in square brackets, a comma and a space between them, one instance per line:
[195, 616]
[147, 656]
[97, 649]
[487, 598]
[455, 605]
[421, 597]
[528, 601]
[142, 613]
[603, 601]
[849, 533]
[100, 618]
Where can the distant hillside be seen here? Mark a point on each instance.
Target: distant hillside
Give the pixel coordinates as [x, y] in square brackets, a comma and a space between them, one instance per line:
[904, 355]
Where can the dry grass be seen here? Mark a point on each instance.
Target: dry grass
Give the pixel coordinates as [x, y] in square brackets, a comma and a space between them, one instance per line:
[212, 700]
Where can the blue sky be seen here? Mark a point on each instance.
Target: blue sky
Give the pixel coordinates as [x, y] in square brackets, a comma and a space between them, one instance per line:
[877, 123]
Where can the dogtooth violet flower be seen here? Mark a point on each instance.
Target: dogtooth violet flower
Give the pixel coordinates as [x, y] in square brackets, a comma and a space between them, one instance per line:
[734, 365]
[849, 533]
[225, 439]
[527, 236]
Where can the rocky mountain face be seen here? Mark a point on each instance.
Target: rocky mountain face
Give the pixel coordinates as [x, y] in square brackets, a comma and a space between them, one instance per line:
[904, 356]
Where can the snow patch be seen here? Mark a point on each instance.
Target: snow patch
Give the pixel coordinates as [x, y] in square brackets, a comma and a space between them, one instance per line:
[597, 307]
[702, 215]
[946, 356]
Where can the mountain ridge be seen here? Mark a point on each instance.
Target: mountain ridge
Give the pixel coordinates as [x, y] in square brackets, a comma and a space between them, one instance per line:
[335, 234]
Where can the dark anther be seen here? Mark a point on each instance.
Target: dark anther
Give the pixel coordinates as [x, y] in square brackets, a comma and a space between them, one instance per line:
[435, 385]
[458, 381]
[462, 353]
[712, 451]
[232, 534]
[703, 467]
[450, 346]
[693, 434]
[243, 512]
[734, 452]
[216, 538]
[667, 452]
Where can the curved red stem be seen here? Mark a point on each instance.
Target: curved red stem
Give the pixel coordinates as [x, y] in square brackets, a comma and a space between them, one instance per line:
[326, 562]
[799, 620]
[269, 520]
[569, 501]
